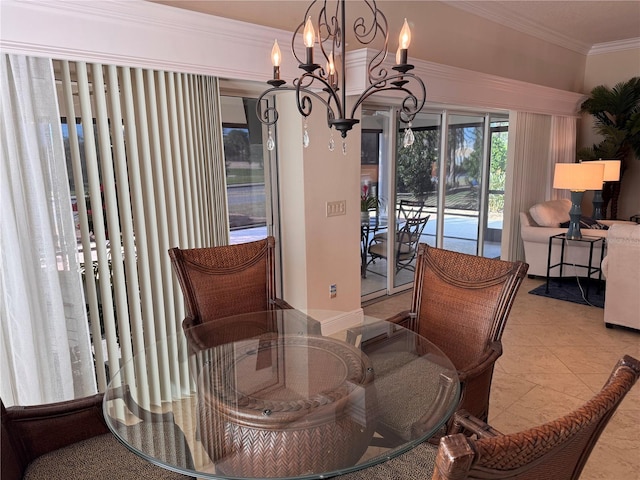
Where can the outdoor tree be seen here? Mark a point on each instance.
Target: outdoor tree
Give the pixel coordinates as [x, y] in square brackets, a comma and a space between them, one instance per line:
[498, 170]
[471, 163]
[415, 164]
[236, 146]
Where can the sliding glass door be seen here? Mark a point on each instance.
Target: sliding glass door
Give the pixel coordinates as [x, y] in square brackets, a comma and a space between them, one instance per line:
[462, 177]
[376, 160]
[452, 176]
[499, 130]
[416, 193]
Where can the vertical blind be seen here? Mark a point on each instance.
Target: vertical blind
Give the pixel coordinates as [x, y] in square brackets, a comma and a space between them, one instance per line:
[145, 155]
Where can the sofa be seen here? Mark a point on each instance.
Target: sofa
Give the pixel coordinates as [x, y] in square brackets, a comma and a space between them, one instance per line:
[544, 220]
[621, 267]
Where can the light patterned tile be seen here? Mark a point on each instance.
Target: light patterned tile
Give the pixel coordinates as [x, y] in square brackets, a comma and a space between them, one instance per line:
[506, 389]
[521, 335]
[567, 383]
[612, 461]
[538, 406]
[531, 359]
[578, 359]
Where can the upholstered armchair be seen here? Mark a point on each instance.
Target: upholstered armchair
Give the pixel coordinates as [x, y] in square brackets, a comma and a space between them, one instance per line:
[71, 440]
[621, 268]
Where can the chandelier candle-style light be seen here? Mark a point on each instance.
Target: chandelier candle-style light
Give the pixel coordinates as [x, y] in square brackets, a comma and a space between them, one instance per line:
[327, 83]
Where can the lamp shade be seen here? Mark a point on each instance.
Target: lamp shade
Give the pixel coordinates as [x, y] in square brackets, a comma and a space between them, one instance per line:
[611, 169]
[578, 176]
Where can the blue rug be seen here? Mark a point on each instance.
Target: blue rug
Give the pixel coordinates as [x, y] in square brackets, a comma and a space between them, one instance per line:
[568, 289]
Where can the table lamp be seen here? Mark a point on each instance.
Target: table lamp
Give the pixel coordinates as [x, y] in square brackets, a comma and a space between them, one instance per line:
[611, 174]
[577, 177]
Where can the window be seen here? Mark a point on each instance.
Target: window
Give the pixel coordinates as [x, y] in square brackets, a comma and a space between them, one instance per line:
[245, 169]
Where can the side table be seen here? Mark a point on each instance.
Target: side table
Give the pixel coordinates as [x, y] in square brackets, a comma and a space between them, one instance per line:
[591, 270]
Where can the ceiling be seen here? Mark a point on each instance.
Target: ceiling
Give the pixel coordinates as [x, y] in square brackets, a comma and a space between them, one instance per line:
[575, 24]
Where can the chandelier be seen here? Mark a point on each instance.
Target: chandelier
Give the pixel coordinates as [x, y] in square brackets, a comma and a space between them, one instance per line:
[327, 84]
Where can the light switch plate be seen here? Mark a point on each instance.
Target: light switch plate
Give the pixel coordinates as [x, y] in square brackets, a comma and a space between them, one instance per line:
[336, 208]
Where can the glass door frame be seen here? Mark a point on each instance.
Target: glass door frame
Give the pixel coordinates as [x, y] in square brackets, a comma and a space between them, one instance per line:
[391, 177]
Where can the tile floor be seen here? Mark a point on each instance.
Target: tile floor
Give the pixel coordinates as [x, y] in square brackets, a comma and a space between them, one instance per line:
[556, 356]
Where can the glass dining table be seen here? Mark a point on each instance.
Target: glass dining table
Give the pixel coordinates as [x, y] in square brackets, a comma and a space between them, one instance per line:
[270, 396]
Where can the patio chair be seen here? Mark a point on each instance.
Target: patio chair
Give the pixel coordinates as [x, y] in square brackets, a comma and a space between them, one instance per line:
[407, 209]
[406, 245]
[219, 282]
[69, 440]
[557, 449]
[461, 304]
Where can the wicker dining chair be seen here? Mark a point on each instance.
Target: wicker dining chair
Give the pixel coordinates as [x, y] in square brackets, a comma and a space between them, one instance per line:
[461, 304]
[556, 450]
[219, 282]
[71, 440]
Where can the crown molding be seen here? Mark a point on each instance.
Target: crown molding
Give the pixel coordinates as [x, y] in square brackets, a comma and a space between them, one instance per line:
[149, 35]
[143, 34]
[612, 47]
[522, 25]
[447, 85]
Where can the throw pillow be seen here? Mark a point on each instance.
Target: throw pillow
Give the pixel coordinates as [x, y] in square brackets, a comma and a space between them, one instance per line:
[586, 222]
[551, 213]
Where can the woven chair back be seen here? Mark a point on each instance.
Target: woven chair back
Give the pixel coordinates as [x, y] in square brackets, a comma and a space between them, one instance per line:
[462, 304]
[557, 450]
[219, 282]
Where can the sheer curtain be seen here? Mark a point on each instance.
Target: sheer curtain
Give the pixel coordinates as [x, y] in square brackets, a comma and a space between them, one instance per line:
[563, 150]
[46, 354]
[527, 174]
[536, 143]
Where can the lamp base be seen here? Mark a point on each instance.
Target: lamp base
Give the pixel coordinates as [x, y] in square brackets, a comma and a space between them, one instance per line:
[597, 205]
[574, 214]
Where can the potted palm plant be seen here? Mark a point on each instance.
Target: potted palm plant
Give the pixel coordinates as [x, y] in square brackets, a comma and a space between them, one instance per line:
[616, 113]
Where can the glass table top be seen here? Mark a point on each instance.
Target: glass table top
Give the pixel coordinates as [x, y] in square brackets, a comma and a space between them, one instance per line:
[269, 396]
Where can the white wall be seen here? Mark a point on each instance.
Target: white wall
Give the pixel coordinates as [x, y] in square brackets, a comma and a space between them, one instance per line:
[441, 33]
[138, 33]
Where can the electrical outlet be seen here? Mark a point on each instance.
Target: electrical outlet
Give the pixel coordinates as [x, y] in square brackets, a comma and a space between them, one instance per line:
[333, 291]
[336, 208]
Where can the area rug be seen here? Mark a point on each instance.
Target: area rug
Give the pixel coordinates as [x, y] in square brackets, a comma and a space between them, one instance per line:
[568, 289]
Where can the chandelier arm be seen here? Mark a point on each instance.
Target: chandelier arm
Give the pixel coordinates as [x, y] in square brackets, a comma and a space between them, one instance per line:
[307, 101]
[411, 104]
[379, 25]
[270, 115]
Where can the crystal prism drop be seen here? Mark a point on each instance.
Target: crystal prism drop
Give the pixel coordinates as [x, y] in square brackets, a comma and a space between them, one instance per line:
[409, 138]
[270, 143]
[344, 147]
[305, 135]
[332, 144]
